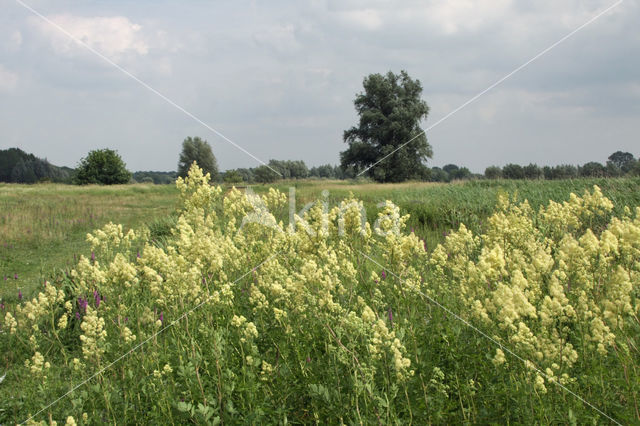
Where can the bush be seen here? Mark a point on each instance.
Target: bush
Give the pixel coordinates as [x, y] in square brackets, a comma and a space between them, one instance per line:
[102, 166]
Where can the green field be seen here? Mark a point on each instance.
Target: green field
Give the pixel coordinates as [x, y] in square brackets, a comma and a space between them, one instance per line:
[44, 227]
[530, 317]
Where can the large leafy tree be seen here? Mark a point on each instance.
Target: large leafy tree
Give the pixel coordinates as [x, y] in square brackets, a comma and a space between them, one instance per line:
[198, 150]
[102, 166]
[622, 160]
[390, 111]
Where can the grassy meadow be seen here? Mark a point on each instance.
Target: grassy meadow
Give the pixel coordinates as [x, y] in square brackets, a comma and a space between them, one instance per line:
[43, 227]
[541, 304]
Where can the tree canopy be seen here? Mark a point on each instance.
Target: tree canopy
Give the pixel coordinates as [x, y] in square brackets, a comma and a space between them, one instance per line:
[102, 166]
[19, 167]
[390, 111]
[198, 150]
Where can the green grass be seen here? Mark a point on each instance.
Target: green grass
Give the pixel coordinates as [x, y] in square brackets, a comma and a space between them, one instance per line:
[320, 363]
[44, 227]
[437, 208]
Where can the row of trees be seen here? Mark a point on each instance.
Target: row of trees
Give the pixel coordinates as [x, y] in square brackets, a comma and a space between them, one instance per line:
[619, 164]
[18, 166]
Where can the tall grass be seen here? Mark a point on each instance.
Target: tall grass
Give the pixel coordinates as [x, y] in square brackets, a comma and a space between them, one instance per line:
[43, 227]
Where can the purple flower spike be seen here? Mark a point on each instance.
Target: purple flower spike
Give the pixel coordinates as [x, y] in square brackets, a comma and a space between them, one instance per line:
[161, 317]
[15, 276]
[77, 315]
[82, 304]
[93, 257]
[19, 294]
[2, 306]
[383, 274]
[138, 254]
[390, 316]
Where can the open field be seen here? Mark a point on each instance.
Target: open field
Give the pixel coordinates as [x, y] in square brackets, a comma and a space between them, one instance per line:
[476, 310]
[43, 227]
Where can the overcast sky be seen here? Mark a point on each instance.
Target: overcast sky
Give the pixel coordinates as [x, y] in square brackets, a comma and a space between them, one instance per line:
[279, 78]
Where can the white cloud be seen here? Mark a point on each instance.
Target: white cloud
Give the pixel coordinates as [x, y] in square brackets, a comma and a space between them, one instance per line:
[8, 80]
[281, 38]
[452, 17]
[112, 36]
[16, 39]
[369, 19]
[11, 42]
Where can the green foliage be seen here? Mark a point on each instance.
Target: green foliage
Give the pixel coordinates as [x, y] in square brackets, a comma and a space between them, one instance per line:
[232, 176]
[513, 171]
[622, 160]
[592, 169]
[290, 169]
[532, 171]
[103, 167]
[390, 111]
[316, 363]
[264, 174]
[198, 151]
[493, 172]
[159, 178]
[19, 167]
[327, 171]
[456, 173]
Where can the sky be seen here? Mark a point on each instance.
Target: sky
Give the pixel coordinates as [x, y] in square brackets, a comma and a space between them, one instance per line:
[279, 78]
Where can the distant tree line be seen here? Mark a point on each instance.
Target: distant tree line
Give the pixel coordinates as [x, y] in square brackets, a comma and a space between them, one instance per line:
[618, 164]
[16, 166]
[159, 178]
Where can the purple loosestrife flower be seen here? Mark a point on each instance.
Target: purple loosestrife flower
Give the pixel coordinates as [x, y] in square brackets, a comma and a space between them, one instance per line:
[19, 294]
[138, 255]
[82, 304]
[390, 312]
[161, 317]
[78, 315]
[15, 276]
[383, 274]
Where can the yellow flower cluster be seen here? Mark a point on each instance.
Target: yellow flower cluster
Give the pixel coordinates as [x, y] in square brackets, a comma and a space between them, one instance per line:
[41, 305]
[10, 323]
[249, 329]
[110, 237]
[94, 334]
[546, 280]
[127, 335]
[38, 366]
